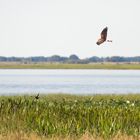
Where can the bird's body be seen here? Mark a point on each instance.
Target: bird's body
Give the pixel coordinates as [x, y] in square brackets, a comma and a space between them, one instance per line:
[103, 37]
[100, 41]
[37, 96]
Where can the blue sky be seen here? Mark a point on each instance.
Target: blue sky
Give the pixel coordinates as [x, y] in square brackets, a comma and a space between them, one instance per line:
[64, 27]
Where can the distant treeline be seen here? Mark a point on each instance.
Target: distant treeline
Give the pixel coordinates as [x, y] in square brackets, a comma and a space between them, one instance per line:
[71, 59]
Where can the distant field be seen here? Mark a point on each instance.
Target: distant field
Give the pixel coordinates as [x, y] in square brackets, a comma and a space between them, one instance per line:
[13, 65]
[70, 117]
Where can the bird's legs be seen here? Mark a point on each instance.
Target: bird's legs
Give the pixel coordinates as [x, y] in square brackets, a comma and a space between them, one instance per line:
[109, 41]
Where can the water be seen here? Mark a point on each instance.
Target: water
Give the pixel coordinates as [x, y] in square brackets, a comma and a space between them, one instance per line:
[69, 81]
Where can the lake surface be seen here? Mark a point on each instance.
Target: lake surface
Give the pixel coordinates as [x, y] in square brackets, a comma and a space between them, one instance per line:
[69, 81]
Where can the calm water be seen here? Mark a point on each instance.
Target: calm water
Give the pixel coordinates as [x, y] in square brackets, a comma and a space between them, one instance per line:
[69, 81]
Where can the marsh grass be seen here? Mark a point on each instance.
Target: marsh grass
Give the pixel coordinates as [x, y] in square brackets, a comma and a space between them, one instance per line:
[16, 65]
[69, 116]
[86, 136]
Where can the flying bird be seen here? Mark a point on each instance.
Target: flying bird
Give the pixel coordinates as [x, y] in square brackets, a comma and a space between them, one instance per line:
[103, 37]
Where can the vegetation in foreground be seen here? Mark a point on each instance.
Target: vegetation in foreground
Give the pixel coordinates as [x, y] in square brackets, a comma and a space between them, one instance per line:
[86, 136]
[51, 116]
[15, 65]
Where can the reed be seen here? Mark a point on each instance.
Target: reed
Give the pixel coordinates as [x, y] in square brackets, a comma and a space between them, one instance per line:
[69, 115]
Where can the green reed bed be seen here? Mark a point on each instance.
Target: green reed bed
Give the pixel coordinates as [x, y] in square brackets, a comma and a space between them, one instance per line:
[68, 115]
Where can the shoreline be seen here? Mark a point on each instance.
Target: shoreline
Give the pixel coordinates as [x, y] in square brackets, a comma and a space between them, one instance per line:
[104, 66]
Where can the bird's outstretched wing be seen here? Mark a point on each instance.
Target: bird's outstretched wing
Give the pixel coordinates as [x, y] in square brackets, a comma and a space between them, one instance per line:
[103, 36]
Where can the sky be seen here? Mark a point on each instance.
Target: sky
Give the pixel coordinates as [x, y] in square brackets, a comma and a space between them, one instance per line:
[65, 27]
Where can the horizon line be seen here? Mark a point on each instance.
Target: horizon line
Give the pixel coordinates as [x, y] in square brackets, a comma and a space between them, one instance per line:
[68, 56]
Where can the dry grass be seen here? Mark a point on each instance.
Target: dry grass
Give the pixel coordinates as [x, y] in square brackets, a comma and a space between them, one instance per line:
[19, 136]
[86, 136]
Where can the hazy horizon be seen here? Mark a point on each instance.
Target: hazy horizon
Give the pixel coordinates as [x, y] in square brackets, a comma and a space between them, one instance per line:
[51, 27]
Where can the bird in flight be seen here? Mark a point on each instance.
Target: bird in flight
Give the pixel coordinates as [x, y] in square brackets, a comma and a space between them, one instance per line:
[103, 37]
